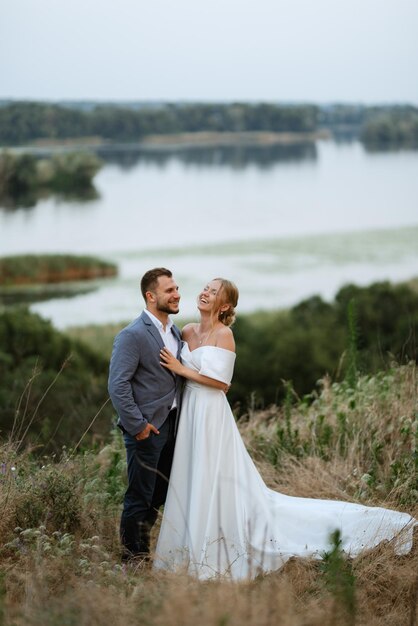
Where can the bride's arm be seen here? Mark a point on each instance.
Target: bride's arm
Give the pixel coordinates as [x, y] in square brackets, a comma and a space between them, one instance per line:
[169, 361]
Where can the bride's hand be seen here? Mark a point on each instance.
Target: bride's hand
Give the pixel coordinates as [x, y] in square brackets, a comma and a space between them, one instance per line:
[169, 361]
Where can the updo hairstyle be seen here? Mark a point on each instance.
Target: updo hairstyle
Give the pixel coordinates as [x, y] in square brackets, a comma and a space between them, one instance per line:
[228, 294]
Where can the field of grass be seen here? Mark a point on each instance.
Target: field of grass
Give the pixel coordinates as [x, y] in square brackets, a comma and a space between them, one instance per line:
[59, 554]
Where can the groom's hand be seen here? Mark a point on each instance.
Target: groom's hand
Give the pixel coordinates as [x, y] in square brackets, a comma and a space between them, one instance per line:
[144, 434]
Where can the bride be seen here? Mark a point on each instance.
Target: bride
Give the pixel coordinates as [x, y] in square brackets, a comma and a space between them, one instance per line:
[219, 517]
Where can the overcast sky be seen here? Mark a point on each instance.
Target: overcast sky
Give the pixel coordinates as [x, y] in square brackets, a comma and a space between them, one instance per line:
[279, 50]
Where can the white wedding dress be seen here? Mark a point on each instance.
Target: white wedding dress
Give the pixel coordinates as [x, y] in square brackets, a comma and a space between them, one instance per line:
[221, 519]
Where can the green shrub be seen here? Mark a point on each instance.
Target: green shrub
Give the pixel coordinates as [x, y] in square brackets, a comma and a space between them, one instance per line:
[315, 338]
[340, 581]
[51, 387]
[50, 497]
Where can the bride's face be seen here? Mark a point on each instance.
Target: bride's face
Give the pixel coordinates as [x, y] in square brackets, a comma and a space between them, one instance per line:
[207, 300]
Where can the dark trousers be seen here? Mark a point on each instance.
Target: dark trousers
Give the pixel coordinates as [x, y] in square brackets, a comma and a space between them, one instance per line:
[149, 465]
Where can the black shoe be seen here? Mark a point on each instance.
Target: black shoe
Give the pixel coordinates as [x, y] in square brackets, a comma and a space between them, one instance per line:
[135, 538]
[136, 563]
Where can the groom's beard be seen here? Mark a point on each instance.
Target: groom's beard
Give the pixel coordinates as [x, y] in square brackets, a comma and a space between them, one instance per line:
[168, 307]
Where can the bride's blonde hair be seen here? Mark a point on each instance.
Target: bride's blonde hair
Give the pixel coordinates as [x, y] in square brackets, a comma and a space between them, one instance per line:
[227, 294]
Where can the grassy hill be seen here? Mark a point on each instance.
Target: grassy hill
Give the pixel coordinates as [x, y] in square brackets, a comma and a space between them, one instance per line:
[59, 552]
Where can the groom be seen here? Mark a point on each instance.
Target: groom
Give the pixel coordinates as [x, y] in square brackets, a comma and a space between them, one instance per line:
[146, 397]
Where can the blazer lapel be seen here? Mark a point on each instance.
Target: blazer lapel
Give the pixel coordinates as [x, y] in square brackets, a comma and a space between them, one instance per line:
[155, 333]
[152, 329]
[180, 342]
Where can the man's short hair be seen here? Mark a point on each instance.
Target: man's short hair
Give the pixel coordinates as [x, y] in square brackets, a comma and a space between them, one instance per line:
[149, 280]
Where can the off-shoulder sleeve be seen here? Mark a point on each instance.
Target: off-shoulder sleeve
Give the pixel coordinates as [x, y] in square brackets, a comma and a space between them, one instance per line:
[217, 363]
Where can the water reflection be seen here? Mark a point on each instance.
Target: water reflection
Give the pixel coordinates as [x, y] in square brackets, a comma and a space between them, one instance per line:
[236, 156]
[29, 199]
[388, 148]
[29, 294]
[345, 135]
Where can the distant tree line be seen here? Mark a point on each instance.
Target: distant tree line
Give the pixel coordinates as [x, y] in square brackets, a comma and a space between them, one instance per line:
[387, 129]
[378, 127]
[25, 121]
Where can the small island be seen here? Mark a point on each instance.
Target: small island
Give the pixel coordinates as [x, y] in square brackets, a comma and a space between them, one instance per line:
[31, 269]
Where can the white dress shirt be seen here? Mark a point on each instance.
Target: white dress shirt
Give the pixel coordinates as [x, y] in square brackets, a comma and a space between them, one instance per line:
[169, 338]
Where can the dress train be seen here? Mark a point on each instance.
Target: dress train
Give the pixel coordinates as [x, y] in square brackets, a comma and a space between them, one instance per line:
[221, 519]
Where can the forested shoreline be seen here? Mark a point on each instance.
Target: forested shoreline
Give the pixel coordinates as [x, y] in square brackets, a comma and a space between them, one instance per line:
[377, 126]
[26, 121]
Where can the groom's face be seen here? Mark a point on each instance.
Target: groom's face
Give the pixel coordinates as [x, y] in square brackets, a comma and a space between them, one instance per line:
[167, 297]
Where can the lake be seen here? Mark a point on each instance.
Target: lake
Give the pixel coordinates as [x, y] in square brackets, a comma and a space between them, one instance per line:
[283, 222]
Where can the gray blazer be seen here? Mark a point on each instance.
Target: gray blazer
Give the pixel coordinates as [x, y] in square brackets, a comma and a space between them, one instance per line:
[140, 388]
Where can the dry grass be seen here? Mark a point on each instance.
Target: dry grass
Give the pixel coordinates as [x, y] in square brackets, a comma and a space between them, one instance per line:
[50, 592]
[62, 565]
